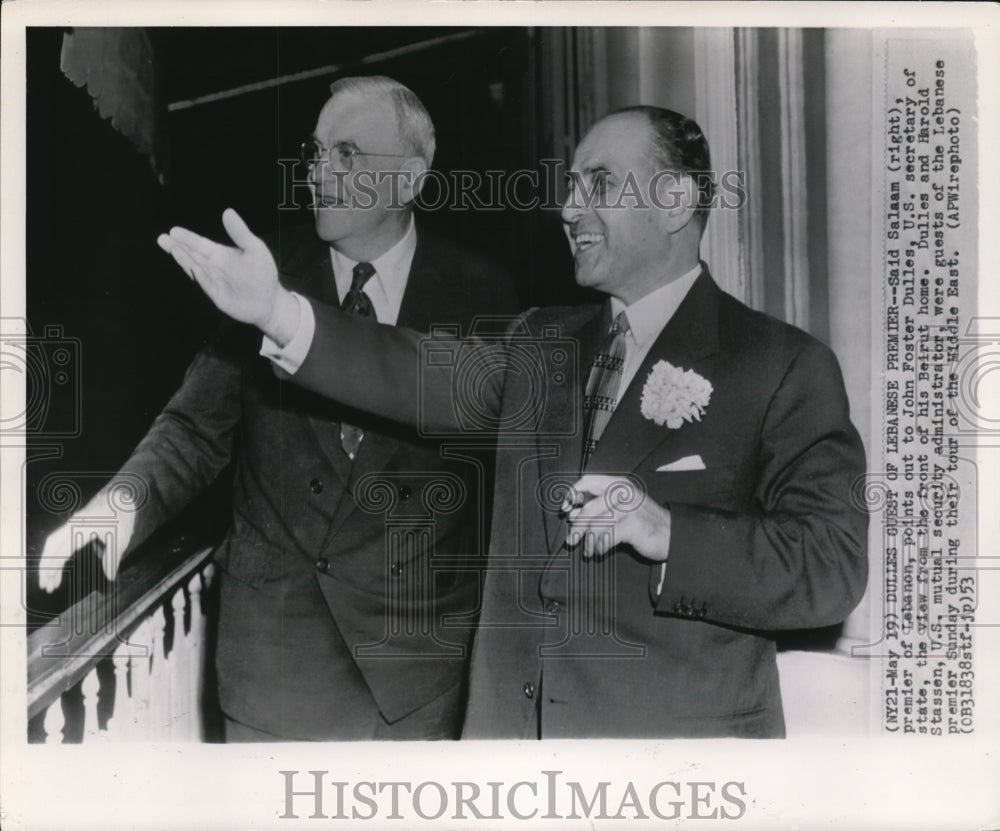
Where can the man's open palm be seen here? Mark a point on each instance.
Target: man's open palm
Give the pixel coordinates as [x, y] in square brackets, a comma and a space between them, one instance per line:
[242, 280]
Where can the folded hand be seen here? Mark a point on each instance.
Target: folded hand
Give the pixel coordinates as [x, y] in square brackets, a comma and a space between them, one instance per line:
[605, 511]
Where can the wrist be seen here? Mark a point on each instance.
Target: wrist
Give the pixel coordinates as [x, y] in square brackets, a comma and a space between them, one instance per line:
[659, 534]
[284, 318]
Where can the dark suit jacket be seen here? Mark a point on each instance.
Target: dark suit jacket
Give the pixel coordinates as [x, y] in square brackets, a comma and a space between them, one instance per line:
[329, 592]
[767, 537]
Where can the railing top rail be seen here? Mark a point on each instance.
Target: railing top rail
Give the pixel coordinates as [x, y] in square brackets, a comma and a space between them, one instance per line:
[64, 650]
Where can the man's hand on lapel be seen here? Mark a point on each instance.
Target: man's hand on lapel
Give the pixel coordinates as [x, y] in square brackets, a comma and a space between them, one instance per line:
[242, 280]
[605, 511]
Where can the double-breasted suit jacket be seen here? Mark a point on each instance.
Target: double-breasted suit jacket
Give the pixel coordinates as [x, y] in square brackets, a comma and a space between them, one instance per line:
[328, 598]
[767, 536]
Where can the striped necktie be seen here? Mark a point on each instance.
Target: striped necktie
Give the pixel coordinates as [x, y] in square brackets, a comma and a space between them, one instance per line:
[605, 378]
[359, 303]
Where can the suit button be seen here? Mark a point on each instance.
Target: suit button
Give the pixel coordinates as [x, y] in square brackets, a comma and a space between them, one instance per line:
[403, 491]
[552, 607]
[679, 608]
[316, 486]
[529, 689]
[703, 610]
[323, 565]
[396, 569]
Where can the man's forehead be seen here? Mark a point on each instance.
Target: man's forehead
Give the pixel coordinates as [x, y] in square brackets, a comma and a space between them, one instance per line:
[617, 142]
[350, 114]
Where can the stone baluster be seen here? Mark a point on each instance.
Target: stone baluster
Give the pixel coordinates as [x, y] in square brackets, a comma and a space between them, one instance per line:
[91, 688]
[54, 723]
[121, 725]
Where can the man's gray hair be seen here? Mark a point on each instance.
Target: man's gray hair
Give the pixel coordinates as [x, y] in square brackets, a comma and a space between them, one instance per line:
[415, 125]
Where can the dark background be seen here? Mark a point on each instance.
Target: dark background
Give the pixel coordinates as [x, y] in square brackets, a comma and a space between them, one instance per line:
[95, 206]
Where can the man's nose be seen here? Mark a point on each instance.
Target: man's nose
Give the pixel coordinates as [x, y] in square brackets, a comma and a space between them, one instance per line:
[572, 209]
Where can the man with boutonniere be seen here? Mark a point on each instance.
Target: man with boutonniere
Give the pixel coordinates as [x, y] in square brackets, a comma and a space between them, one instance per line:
[663, 509]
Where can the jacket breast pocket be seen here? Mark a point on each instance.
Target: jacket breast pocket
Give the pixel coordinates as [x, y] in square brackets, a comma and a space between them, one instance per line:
[721, 486]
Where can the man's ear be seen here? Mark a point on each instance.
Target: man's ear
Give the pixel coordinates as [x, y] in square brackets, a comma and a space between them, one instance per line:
[677, 197]
[413, 179]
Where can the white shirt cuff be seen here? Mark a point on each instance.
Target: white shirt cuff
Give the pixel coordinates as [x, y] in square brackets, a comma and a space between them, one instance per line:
[292, 356]
[663, 576]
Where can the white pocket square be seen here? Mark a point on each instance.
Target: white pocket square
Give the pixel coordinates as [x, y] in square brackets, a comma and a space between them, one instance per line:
[687, 463]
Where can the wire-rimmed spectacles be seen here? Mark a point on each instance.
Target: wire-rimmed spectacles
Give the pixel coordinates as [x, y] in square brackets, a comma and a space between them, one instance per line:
[340, 156]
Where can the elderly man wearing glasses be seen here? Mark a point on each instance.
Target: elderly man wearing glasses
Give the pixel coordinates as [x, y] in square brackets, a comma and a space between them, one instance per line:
[332, 594]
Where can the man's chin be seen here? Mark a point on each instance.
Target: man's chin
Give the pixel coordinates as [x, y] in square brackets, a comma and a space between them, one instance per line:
[585, 277]
[330, 228]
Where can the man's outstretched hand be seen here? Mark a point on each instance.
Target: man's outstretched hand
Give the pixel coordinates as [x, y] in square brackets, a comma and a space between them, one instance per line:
[242, 280]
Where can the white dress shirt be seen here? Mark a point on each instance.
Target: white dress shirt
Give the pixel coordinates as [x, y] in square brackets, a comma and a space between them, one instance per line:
[384, 288]
[647, 317]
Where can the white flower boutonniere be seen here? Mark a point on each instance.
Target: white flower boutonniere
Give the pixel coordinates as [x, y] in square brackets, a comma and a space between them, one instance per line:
[673, 395]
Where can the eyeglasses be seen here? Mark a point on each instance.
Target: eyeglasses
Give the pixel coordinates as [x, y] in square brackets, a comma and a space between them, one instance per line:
[341, 156]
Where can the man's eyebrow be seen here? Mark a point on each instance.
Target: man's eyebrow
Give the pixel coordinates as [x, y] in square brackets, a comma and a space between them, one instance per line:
[346, 143]
[343, 143]
[590, 170]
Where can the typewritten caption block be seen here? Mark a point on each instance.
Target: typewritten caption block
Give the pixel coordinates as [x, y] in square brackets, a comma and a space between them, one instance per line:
[924, 491]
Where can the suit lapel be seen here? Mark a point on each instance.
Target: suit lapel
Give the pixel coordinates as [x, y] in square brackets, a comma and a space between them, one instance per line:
[429, 296]
[690, 335]
[560, 455]
[427, 299]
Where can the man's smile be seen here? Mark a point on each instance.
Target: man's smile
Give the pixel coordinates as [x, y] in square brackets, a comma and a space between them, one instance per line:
[585, 240]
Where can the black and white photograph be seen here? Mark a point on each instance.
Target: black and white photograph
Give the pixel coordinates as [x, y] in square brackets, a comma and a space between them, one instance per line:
[597, 401]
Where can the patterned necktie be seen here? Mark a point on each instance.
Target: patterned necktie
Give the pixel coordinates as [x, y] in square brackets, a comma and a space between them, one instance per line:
[359, 303]
[602, 385]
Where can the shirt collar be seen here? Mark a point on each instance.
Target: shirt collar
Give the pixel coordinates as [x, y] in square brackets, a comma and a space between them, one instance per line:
[391, 268]
[648, 315]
